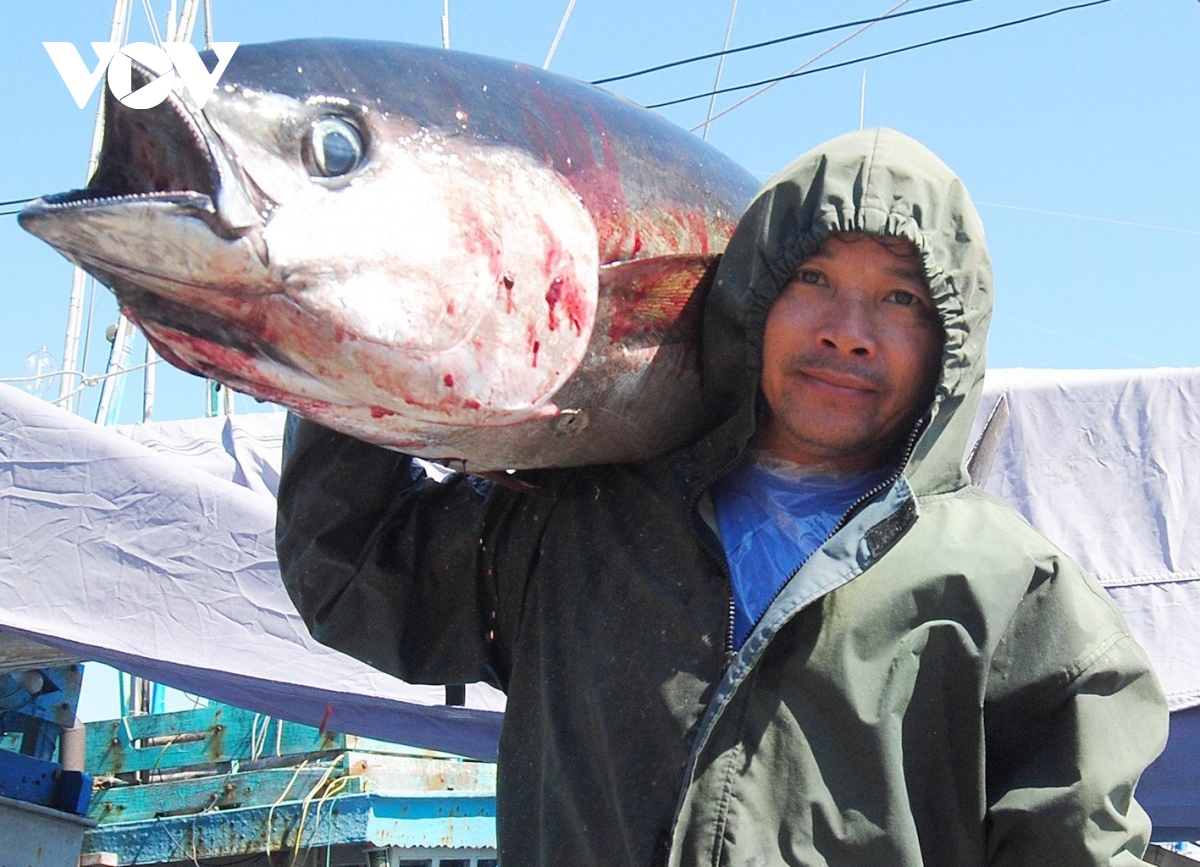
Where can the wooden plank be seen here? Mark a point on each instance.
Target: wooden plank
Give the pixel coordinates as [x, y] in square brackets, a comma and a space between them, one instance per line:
[195, 738]
[18, 653]
[228, 791]
[462, 823]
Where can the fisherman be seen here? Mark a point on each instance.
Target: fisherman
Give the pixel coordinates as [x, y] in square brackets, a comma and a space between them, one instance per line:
[806, 639]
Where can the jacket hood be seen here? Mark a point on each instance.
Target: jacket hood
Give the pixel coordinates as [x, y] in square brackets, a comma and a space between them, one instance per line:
[875, 182]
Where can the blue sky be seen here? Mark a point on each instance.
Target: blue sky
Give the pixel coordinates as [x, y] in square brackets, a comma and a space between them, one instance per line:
[1090, 113]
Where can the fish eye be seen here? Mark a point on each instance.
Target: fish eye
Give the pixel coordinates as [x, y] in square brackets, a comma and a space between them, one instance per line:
[336, 147]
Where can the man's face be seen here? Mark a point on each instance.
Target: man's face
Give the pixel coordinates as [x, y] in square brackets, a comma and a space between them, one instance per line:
[851, 354]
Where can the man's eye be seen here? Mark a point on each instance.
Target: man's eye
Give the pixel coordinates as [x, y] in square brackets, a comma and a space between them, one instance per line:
[806, 276]
[905, 299]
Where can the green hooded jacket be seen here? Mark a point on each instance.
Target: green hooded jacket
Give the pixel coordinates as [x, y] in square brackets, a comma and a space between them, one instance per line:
[957, 692]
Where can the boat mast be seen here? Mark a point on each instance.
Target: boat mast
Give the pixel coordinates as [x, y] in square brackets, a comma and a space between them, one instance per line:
[180, 26]
[80, 279]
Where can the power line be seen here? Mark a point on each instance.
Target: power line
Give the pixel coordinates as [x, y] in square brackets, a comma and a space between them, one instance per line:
[14, 202]
[832, 48]
[1077, 339]
[866, 58]
[769, 42]
[1109, 220]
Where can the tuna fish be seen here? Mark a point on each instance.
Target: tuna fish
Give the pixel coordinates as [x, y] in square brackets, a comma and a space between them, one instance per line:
[459, 257]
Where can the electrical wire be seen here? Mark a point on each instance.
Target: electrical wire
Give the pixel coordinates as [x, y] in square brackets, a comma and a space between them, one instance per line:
[926, 44]
[322, 785]
[271, 812]
[832, 48]
[1108, 220]
[727, 51]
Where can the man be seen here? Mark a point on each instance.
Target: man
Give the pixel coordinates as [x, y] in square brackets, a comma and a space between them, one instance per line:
[806, 640]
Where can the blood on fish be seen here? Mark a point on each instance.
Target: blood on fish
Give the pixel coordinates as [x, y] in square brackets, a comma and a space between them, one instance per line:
[380, 412]
[572, 304]
[553, 296]
[477, 238]
[508, 281]
[449, 380]
[472, 404]
[534, 343]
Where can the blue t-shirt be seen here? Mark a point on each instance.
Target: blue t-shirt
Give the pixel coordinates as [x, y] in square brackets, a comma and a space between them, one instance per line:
[772, 516]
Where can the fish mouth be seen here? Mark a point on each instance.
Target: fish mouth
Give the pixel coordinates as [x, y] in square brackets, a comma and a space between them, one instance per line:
[164, 185]
[158, 153]
[167, 157]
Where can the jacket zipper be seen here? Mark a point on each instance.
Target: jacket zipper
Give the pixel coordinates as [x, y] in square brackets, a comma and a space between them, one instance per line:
[719, 554]
[875, 491]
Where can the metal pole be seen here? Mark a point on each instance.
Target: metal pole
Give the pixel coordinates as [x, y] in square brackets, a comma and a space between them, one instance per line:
[79, 280]
[862, 102]
[187, 20]
[113, 388]
[149, 382]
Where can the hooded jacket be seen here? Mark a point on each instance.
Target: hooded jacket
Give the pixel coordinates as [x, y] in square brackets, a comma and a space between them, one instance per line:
[954, 692]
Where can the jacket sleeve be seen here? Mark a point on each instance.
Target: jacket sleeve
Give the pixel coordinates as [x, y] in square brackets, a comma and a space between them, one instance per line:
[1074, 714]
[392, 567]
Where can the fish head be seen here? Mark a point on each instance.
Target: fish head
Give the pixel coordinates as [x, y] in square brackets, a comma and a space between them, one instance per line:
[306, 240]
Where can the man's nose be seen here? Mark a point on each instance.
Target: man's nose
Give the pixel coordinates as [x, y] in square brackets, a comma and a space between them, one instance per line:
[847, 328]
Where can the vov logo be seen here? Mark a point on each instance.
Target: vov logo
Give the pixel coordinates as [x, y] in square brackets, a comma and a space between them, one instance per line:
[173, 63]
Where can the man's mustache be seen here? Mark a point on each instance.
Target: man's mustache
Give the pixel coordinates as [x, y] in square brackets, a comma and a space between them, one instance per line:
[813, 363]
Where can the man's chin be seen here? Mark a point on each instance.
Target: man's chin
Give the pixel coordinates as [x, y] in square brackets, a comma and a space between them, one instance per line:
[846, 448]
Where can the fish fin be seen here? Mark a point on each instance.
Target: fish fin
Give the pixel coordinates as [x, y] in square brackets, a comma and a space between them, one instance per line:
[656, 301]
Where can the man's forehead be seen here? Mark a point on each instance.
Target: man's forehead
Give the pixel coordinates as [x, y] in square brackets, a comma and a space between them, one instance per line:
[902, 261]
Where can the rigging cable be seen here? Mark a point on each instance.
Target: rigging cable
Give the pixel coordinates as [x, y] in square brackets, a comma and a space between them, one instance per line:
[1108, 220]
[712, 103]
[14, 202]
[557, 36]
[727, 51]
[926, 44]
[859, 32]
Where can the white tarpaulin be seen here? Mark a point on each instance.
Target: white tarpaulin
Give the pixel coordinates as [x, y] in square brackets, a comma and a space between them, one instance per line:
[136, 555]
[151, 547]
[1107, 465]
